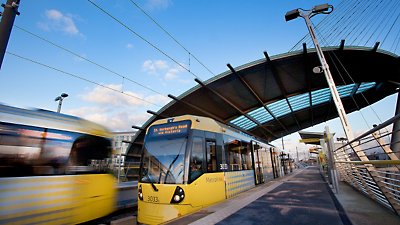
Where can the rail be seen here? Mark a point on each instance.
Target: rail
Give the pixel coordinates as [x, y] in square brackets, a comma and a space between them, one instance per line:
[369, 165]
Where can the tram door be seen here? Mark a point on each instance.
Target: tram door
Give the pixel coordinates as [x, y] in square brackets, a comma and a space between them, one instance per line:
[257, 163]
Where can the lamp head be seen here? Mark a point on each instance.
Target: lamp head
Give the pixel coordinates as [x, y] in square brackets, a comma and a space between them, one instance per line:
[58, 98]
[321, 8]
[64, 95]
[293, 14]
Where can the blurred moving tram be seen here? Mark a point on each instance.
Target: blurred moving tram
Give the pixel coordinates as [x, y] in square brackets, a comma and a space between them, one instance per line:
[191, 162]
[53, 168]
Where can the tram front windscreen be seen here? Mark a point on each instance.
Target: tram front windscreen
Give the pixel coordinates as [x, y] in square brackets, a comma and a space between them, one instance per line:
[164, 153]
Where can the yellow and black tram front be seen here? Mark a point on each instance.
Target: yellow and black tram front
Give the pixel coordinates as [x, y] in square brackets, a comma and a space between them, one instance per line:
[191, 162]
[173, 176]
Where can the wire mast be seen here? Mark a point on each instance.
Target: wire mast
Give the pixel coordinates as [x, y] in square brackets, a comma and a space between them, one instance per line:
[6, 24]
[324, 68]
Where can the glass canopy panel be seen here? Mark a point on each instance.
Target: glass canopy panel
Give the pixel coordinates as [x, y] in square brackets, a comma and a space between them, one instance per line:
[345, 90]
[365, 86]
[320, 96]
[261, 115]
[279, 108]
[299, 102]
[243, 123]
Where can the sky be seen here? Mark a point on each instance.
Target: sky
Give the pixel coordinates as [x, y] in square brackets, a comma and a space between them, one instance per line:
[115, 63]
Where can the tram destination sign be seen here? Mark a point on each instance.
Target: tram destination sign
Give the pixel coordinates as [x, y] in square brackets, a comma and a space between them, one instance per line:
[174, 129]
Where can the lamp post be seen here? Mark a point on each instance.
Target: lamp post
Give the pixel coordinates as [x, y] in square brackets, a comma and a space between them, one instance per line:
[324, 68]
[60, 99]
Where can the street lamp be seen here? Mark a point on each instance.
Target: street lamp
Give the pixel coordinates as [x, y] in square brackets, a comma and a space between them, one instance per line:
[324, 68]
[60, 99]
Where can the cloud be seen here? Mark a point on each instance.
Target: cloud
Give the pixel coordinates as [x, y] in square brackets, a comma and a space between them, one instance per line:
[154, 67]
[172, 73]
[158, 4]
[162, 67]
[129, 45]
[117, 120]
[58, 21]
[115, 110]
[112, 96]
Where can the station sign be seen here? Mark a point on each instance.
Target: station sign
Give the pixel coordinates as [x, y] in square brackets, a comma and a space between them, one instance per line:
[168, 130]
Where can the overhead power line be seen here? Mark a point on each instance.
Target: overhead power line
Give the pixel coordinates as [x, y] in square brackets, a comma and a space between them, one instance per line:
[79, 77]
[360, 22]
[141, 37]
[86, 59]
[170, 35]
[352, 80]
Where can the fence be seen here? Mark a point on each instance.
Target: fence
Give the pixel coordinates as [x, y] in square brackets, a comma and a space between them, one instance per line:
[368, 164]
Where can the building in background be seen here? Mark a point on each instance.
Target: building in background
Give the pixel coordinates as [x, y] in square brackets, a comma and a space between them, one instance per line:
[119, 162]
[121, 141]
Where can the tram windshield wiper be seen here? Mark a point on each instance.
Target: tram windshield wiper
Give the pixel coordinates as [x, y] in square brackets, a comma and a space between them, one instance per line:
[152, 182]
[173, 161]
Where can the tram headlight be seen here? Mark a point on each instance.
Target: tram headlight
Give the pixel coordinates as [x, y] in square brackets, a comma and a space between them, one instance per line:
[140, 194]
[178, 196]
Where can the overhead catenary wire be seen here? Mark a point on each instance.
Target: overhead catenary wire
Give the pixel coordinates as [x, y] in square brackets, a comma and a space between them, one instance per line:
[360, 22]
[394, 22]
[79, 77]
[124, 77]
[142, 38]
[173, 38]
[352, 80]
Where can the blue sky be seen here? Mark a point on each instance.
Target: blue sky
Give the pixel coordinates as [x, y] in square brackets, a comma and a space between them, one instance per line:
[215, 32]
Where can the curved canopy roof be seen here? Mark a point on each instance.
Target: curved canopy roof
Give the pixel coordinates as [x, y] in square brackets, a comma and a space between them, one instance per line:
[275, 96]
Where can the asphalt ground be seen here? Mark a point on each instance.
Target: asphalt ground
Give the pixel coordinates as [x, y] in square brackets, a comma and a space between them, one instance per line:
[303, 199]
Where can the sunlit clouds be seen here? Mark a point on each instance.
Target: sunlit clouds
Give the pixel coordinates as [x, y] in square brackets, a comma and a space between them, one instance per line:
[163, 69]
[158, 4]
[57, 21]
[114, 110]
[129, 46]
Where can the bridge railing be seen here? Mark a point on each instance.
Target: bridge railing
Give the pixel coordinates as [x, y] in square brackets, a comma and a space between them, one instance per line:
[370, 165]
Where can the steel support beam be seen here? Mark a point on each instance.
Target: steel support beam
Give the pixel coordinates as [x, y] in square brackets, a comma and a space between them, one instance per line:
[236, 108]
[255, 95]
[281, 86]
[211, 115]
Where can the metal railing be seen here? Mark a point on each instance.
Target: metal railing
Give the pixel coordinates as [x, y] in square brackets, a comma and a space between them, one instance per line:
[369, 165]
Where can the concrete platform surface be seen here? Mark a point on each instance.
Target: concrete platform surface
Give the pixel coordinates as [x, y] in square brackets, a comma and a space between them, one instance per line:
[300, 198]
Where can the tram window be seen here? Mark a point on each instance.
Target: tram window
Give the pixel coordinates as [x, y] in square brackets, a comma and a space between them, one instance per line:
[239, 155]
[197, 159]
[246, 156]
[88, 151]
[211, 156]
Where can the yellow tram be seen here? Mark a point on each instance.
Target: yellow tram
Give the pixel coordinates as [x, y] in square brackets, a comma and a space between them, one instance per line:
[191, 162]
[52, 168]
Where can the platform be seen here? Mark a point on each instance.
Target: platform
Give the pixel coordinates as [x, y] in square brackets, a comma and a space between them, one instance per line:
[301, 198]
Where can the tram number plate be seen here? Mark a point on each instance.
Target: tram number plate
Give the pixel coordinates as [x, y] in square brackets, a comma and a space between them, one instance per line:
[152, 199]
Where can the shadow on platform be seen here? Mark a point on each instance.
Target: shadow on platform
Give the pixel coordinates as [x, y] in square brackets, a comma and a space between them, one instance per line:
[301, 198]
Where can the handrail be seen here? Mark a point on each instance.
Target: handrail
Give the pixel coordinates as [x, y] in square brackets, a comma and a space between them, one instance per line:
[374, 162]
[380, 126]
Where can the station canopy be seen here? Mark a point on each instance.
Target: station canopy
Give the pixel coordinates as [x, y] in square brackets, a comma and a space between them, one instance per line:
[276, 96]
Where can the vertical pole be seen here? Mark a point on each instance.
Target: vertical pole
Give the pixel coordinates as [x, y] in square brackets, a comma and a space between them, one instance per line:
[331, 161]
[273, 163]
[328, 166]
[59, 105]
[6, 23]
[395, 143]
[119, 166]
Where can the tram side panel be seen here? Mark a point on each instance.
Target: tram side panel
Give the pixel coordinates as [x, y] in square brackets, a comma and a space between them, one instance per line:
[52, 168]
